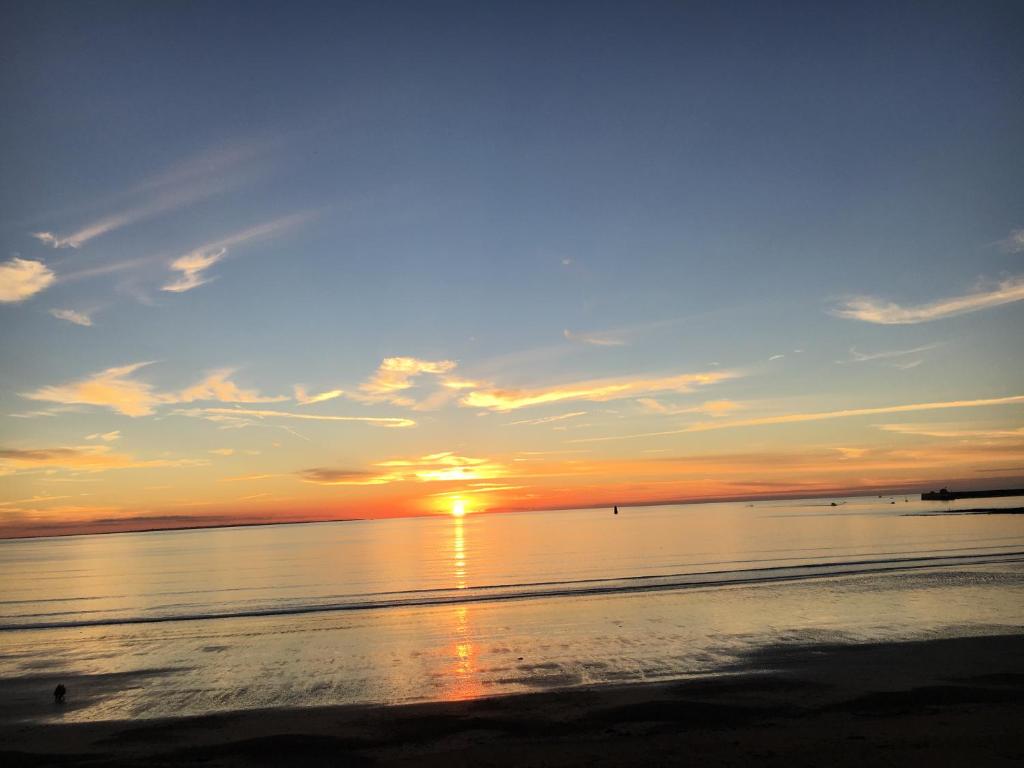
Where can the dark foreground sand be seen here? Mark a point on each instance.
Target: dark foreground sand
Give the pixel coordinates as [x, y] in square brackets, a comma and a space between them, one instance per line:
[956, 702]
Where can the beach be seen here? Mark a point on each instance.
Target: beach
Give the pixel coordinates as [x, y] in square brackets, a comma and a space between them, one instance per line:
[935, 702]
[785, 633]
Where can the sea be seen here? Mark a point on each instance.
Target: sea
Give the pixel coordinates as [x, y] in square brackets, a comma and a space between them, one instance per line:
[157, 624]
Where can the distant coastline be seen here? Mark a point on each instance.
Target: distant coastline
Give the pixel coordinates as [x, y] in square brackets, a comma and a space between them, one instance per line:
[944, 494]
[169, 529]
[826, 493]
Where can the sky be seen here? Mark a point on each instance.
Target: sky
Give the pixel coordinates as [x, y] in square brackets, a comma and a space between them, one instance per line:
[263, 262]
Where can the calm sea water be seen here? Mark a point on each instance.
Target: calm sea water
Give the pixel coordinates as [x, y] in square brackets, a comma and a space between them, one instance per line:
[185, 622]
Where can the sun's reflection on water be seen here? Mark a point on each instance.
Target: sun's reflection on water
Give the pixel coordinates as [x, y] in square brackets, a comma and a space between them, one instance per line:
[462, 680]
[459, 553]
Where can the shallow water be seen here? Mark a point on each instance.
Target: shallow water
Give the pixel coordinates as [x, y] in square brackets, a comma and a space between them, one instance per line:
[441, 608]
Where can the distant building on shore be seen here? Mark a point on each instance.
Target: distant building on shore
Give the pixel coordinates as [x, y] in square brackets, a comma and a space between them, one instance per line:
[944, 494]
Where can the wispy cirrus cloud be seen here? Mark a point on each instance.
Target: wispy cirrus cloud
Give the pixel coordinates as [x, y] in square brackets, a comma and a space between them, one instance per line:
[105, 436]
[598, 390]
[163, 203]
[201, 176]
[873, 310]
[902, 359]
[794, 418]
[715, 408]
[193, 265]
[21, 279]
[1014, 242]
[863, 357]
[72, 316]
[549, 419]
[117, 389]
[607, 339]
[952, 431]
[303, 397]
[256, 413]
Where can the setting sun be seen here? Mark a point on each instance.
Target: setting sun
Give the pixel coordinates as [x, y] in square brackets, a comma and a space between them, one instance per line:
[458, 508]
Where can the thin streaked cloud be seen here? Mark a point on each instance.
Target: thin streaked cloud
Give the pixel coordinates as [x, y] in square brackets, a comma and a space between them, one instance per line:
[873, 310]
[105, 436]
[794, 418]
[598, 390]
[549, 419]
[252, 413]
[857, 356]
[72, 316]
[608, 339]
[303, 397]
[952, 431]
[195, 179]
[715, 408]
[193, 265]
[164, 203]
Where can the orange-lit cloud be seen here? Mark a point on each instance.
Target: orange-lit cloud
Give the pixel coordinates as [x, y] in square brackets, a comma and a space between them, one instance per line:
[446, 466]
[85, 458]
[435, 467]
[218, 386]
[599, 390]
[302, 397]
[115, 388]
[329, 476]
[942, 430]
[21, 279]
[193, 265]
[455, 383]
[715, 408]
[395, 375]
[106, 436]
[872, 310]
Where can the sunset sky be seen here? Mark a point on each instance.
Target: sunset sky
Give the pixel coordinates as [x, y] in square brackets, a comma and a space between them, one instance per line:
[265, 263]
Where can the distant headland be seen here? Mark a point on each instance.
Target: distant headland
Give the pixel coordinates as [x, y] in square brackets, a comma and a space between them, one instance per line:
[944, 494]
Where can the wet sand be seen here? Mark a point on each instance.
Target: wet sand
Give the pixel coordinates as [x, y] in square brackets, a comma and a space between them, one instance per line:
[939, 702]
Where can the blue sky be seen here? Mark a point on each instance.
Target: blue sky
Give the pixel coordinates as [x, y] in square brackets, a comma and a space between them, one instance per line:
[541, 194]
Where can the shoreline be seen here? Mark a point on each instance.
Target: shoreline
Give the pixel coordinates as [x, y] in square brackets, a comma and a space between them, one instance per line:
[670, 582]
[824, 493]
[946, 701]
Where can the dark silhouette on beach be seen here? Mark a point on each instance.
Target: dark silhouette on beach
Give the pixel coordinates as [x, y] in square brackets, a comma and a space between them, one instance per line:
[616, 509]
[59, 693]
